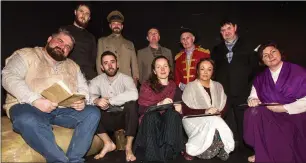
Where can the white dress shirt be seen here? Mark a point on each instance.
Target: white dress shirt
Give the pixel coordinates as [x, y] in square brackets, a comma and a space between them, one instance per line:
[119, 91]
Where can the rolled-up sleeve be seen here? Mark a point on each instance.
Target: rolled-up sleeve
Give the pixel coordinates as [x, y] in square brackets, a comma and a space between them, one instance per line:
[13, 80]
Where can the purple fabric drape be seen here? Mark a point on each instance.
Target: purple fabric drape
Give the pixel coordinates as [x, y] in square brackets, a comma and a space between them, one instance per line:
[278, 137]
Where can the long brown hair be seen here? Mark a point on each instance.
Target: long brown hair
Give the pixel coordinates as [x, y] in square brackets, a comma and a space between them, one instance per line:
[153, 80]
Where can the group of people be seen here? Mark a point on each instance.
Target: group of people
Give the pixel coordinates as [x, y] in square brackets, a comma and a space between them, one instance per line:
[198, 93]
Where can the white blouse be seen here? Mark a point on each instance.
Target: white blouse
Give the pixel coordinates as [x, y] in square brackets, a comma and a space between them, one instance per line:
[299, 106]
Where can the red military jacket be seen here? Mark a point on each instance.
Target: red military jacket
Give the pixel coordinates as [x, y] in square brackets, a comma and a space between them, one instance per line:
[184, 72]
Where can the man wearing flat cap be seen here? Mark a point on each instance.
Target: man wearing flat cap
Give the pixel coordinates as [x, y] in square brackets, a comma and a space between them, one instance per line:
[121, 47]
[187, 59]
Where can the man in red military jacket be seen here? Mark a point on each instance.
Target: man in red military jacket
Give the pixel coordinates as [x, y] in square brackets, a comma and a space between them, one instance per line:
[187, 59]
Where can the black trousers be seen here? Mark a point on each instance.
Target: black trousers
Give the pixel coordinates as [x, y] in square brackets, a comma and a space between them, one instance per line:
[234, 118]
[126, 119]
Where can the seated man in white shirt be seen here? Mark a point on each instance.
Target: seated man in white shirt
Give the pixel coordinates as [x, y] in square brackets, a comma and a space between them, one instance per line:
[116, 94]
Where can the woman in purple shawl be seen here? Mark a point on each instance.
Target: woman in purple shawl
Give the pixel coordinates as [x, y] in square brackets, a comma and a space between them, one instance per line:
[160, 134]
[277, 132]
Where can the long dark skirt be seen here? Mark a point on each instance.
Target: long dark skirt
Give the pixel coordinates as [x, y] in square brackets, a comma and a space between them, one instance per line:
[275, 137]
[160, 136]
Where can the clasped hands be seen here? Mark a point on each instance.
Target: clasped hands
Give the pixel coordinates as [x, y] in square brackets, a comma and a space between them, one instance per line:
[212, 110]
[177, 107]
[103, 102]
[47, 106]
[276, 108]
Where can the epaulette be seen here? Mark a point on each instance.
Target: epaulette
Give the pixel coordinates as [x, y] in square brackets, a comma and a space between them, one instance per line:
[178, 55]
[203, 50]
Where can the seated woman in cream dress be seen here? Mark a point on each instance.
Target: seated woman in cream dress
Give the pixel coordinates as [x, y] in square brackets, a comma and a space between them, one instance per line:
[208, 136]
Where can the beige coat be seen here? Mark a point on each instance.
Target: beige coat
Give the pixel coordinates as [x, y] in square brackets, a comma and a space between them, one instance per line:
[125, 52]
[40, 74]
[145, 58]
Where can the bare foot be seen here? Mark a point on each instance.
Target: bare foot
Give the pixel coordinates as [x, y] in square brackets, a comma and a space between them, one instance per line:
[251, 158]
[107, 148]
[129, 155]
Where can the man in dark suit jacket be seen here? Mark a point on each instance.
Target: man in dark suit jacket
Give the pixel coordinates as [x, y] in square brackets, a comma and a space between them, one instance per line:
[146, 55]
[236, 65]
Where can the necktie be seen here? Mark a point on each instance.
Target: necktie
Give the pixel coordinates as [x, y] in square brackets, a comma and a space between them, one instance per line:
[230, 53]
[229, 56]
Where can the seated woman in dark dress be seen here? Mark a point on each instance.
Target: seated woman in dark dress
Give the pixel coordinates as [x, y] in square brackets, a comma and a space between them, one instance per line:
[160, 134]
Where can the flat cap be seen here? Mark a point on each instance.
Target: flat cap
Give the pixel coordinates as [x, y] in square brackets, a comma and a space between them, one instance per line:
[115, 16]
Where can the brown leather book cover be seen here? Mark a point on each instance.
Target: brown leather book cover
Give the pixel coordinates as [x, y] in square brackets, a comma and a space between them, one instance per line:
[60, 93]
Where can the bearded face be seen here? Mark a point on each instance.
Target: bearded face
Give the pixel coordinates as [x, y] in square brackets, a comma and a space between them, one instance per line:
[82, 16]
[116, 30]
[111, 71]
[59, 46]
[56, 53]
[80, 21]
[116, 27]
[109, 65]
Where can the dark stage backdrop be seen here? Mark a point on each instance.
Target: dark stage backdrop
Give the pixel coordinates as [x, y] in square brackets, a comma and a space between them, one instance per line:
[28, 24]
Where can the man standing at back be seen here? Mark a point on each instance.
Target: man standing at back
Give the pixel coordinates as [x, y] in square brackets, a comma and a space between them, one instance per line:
[146, 55]
[85, 49]
[187, 59]
[236, 65]
[121, 47]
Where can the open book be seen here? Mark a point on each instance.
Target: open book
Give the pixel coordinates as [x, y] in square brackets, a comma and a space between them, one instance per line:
[61, 94]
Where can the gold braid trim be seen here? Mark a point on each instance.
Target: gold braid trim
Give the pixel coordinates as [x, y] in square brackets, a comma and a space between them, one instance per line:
[203, 50]
[178, 55]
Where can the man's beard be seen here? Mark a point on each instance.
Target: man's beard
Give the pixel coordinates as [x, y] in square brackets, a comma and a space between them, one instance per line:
[116, 31]
[109, 73]
[79, 23]
[56, 53]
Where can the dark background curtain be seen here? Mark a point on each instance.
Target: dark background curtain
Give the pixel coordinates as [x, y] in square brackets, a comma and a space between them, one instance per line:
[29, 24]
